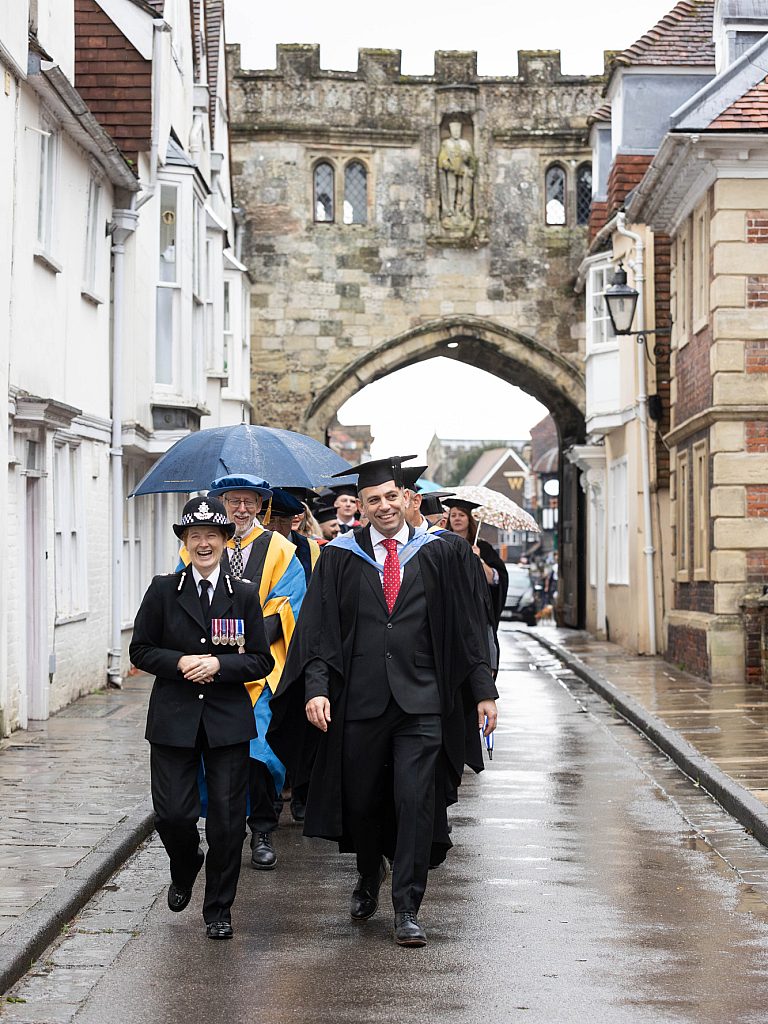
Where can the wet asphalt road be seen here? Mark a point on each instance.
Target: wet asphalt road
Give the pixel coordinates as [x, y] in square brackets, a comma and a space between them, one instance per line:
[589, 881]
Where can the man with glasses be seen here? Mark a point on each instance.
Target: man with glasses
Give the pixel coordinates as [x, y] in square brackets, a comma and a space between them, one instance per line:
[268, 560]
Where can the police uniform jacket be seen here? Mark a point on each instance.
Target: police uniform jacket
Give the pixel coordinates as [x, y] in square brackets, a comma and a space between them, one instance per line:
[169, 624]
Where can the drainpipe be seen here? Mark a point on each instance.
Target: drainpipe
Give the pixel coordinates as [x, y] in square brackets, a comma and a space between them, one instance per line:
[159, 25]
[642, 414]
[122, 227]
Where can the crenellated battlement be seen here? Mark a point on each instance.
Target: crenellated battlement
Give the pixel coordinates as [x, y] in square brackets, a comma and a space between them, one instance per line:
[383, 67]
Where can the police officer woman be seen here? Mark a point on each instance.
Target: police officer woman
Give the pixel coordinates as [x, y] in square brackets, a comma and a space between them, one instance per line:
[201, 633]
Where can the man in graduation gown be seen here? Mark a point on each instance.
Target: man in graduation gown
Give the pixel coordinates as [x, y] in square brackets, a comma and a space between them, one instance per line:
[391, 672]
[269, 561]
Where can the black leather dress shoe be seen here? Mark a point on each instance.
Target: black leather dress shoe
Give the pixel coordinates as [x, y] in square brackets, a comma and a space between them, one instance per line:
[365, 896]
[408, 931]
[298, 809]
[178, 896]
[219, 930]
[263, 855]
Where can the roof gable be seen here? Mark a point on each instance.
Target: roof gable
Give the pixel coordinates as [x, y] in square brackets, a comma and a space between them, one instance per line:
[682, 37]
[748, 113]
[730, 100]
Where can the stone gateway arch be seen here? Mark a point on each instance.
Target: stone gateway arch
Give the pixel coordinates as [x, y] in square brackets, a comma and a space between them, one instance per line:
[386, 216]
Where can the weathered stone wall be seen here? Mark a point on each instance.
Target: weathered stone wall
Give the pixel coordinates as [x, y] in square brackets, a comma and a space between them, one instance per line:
[336, 305]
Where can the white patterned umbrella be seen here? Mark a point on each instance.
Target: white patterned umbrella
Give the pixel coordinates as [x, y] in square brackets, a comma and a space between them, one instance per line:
[496, 509]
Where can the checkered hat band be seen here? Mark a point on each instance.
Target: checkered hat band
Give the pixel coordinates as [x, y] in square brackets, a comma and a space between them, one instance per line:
[217, 519]
[206, 515]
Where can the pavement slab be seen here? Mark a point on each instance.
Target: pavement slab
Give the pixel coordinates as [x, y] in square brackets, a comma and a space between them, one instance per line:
[589, 880]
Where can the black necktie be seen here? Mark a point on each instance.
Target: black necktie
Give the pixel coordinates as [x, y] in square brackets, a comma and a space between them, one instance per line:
[205, 600]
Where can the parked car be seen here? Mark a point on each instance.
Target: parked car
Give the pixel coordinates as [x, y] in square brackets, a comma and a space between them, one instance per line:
[520, 605]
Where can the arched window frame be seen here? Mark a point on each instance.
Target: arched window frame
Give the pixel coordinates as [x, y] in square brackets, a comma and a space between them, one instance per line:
[551, 168]
[316, 167]
[583, 194]
[348, 166]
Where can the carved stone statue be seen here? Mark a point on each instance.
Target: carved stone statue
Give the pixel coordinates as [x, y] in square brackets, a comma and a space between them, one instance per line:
[456, 167]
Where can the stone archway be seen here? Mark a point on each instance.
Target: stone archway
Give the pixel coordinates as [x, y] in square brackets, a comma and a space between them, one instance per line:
[515, 358]
[506, 353]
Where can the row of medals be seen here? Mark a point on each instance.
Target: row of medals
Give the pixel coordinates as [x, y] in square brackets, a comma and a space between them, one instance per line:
[228, 632]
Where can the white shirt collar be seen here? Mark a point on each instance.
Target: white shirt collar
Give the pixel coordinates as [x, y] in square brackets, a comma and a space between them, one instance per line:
[401, 536]
[422, 527]
[213, 579]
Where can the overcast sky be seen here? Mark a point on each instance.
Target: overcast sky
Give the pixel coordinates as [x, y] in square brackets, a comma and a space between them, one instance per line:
[441, 396]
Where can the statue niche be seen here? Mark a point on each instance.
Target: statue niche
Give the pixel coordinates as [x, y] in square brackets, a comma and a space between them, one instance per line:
[457, 171]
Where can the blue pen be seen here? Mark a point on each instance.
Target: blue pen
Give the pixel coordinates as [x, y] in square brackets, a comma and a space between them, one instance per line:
[488, 739]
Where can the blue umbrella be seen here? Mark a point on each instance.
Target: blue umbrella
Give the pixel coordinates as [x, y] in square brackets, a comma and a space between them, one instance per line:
[281, 457]
[425, 486]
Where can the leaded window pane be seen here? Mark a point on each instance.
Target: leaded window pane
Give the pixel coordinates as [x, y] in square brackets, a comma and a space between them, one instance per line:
[355, 194]
[324, 212]
[555, 196]
[583, 194]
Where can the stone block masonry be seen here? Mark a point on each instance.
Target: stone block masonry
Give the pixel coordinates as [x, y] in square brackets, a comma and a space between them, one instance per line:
[343, 296]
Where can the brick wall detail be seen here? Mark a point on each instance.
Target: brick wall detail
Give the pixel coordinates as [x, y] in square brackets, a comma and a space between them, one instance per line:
[757, 500]
[756, 356]
[757, 436]
[694, 379]
[757, 227]
[757, 292]
[627, 171]
[688, 648]
[113, 79]
[662, 265]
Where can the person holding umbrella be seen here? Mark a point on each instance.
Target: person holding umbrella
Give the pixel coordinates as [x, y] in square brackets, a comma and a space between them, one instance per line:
[460, 522]
[201, 633]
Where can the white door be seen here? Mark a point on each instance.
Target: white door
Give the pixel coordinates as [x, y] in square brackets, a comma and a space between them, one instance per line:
[36, 611]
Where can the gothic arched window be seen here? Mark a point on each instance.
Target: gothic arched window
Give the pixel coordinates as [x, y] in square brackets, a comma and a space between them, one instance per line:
[355, 193]
[323, 193]
[554, 182]
[583, 193]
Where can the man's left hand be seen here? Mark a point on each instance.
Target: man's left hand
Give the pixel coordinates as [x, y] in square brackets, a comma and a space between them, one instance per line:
[487, 709]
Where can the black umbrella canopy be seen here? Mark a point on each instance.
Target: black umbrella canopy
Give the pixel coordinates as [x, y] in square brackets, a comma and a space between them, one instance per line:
[281, 457]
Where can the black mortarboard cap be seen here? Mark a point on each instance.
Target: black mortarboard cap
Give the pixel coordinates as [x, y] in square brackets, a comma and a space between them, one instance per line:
[411, 476]
[285, 504]
[431, 502]
[305, 494]
[339, 489]
[461, 503]
[379, 471]
[324, 513]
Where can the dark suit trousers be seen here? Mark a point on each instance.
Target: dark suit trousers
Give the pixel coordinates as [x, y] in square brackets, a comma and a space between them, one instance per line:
[176, 800]
[262, 797]
[406, 746]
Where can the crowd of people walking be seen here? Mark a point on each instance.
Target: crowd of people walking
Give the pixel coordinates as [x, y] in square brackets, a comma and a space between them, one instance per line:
[340, 643]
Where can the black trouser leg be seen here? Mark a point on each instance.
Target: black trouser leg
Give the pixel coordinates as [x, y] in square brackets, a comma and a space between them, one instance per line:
[176, 799]
[411, 744]
[415, 747]
[226, 774]
[262, 796]
[366, 748]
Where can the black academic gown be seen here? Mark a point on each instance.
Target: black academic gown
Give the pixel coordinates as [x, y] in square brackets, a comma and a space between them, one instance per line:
[479, 590]
[326, 631]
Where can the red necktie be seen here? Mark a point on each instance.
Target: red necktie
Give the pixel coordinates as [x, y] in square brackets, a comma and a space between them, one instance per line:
[391, 573]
